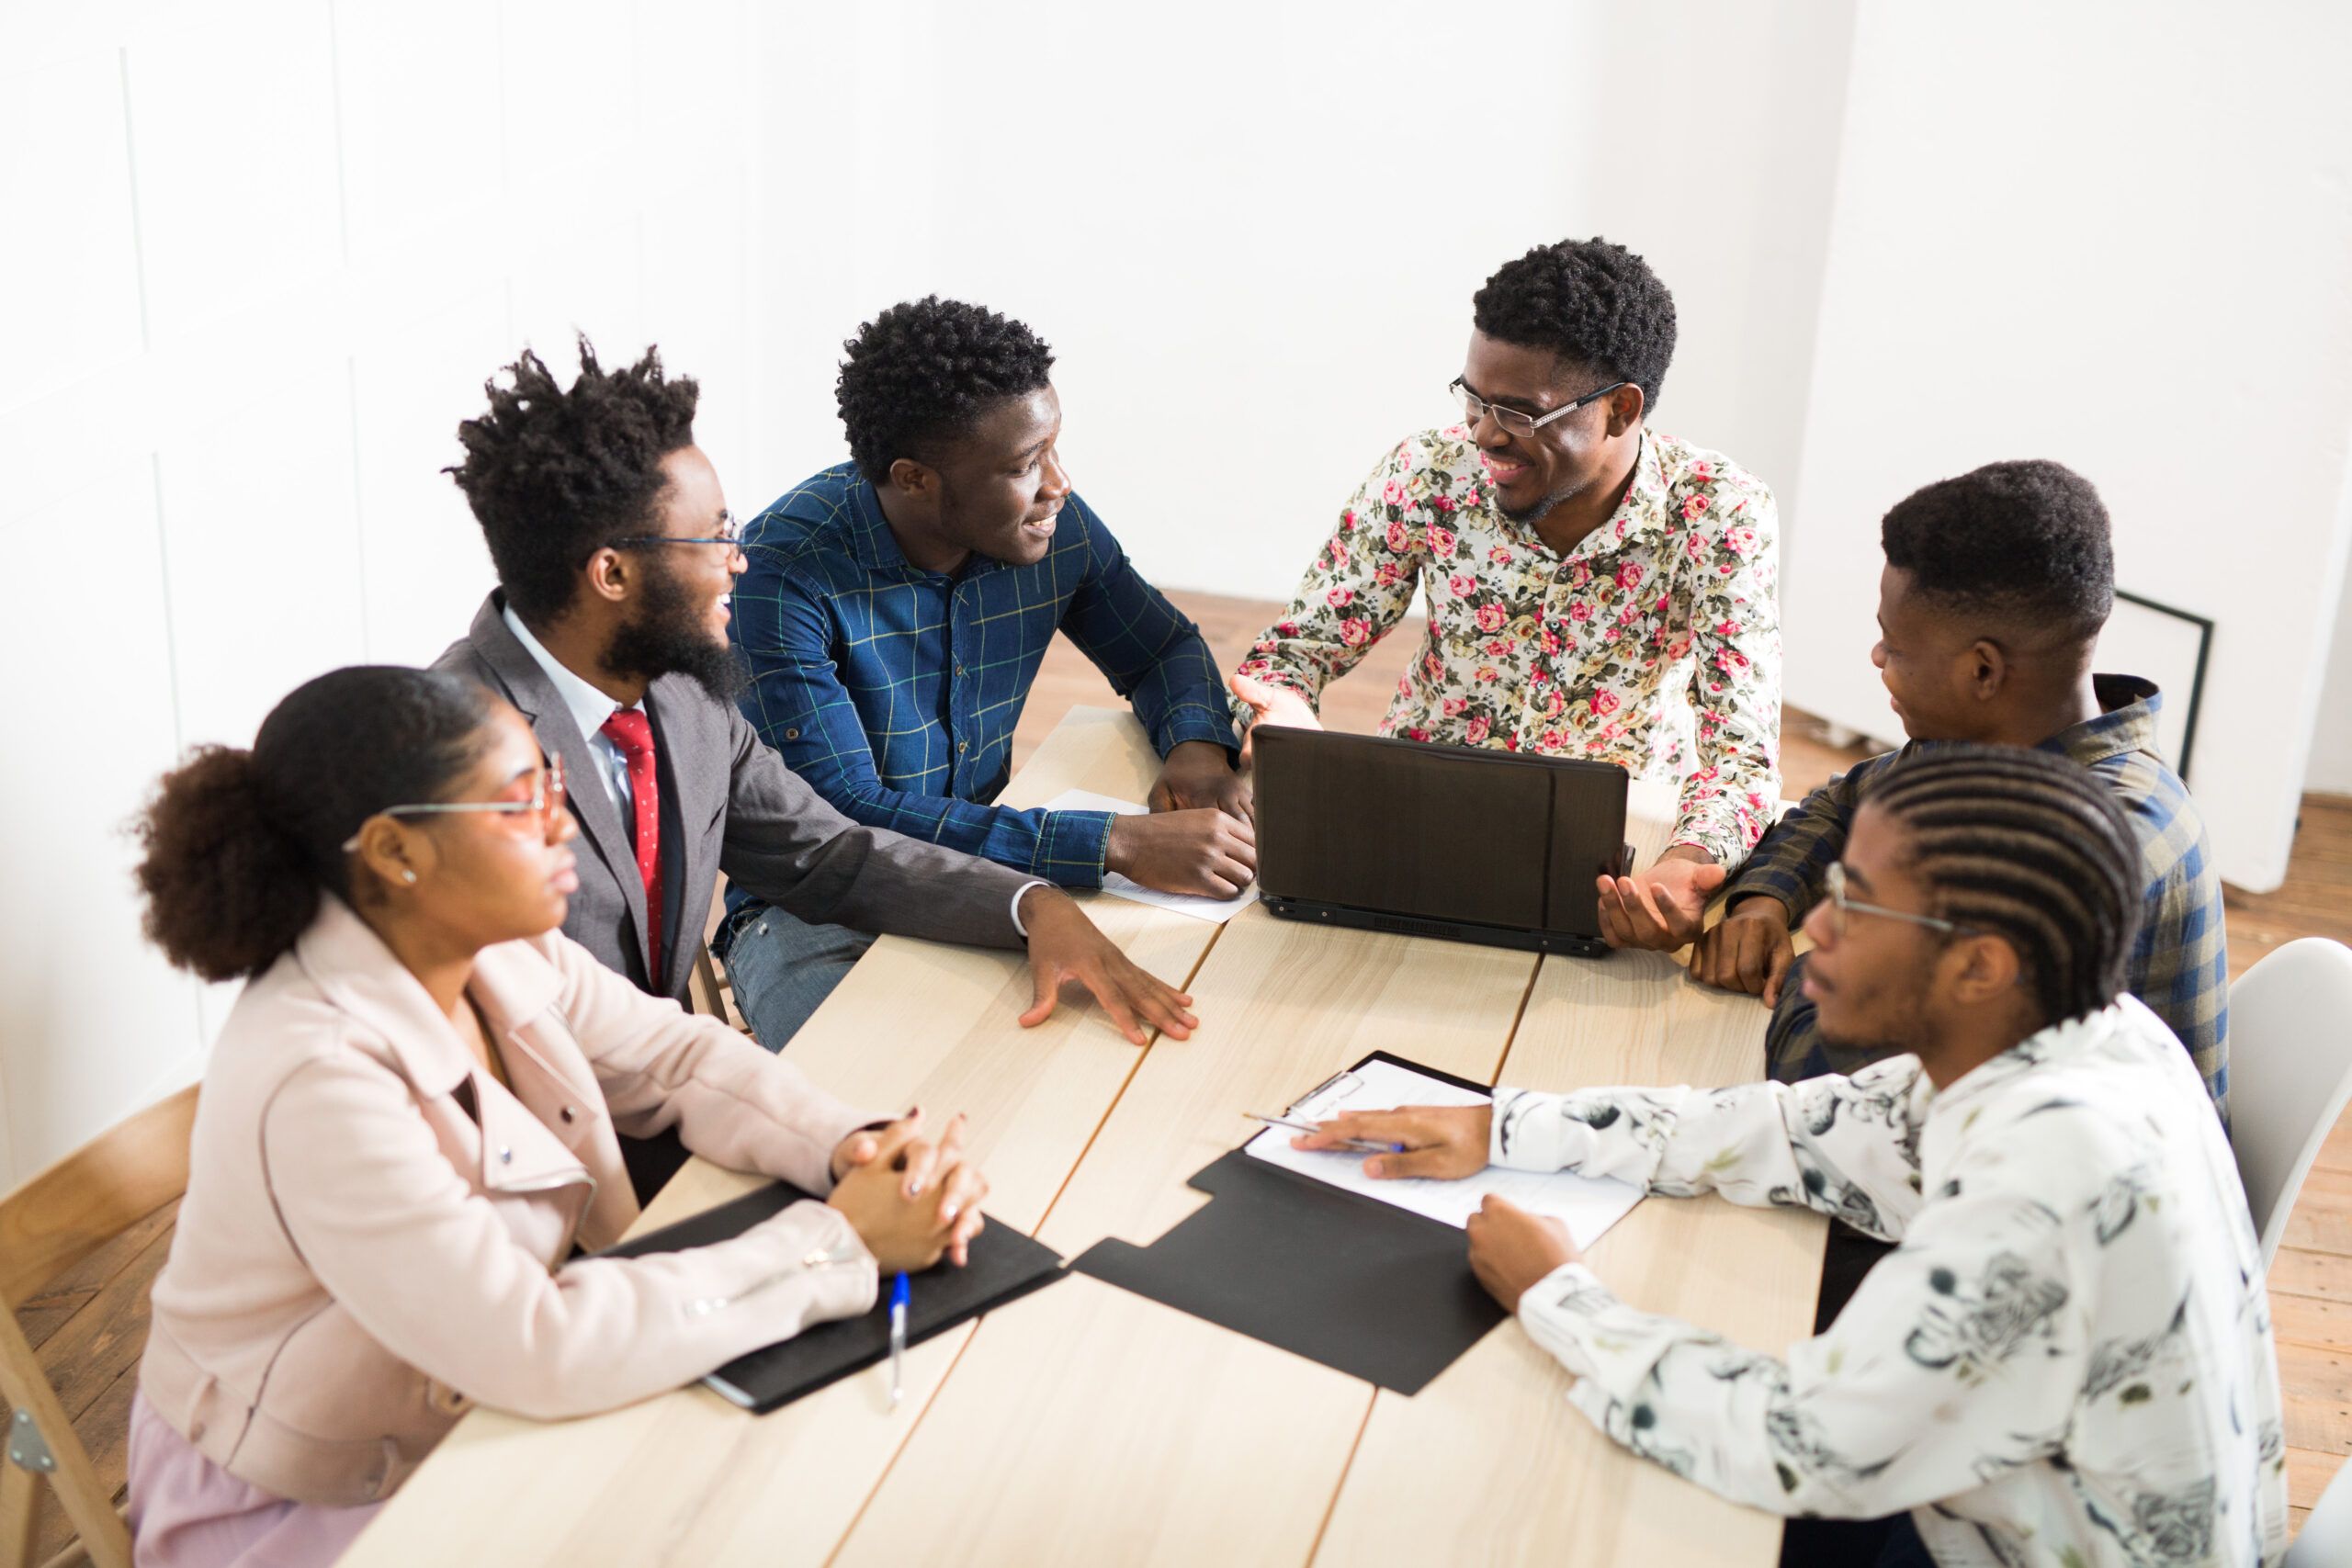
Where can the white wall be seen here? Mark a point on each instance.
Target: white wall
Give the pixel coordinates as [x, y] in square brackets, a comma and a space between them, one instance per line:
[1249, 233]
[261, 258]
[2119, 239]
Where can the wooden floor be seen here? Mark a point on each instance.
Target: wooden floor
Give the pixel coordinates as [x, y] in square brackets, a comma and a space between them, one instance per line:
[88, 1327]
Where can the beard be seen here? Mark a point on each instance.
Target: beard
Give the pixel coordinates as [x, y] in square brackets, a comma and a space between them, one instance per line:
[1541, 508]
[666, 636]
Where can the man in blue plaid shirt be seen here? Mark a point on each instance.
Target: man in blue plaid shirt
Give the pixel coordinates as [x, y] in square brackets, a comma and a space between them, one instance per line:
[896, 610]
[1996, 584]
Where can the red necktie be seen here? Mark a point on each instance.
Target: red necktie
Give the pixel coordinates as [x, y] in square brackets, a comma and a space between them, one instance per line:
[628, 730]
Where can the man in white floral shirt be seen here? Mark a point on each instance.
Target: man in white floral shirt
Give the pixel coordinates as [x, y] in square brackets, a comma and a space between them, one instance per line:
[1595, 589]
[2067, 1360]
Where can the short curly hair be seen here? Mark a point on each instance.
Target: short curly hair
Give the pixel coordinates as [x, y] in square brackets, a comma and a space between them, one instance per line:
[554, 476]
[921, 372]
[1591, 303]
[2023, 542]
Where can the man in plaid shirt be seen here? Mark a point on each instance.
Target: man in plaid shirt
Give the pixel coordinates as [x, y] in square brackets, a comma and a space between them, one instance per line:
[1995, 587]
[895, 613]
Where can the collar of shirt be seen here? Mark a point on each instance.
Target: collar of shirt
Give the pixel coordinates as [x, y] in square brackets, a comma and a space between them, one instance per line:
[588, 707]
[872, 543]
[2052, 1045]
[2127, 722]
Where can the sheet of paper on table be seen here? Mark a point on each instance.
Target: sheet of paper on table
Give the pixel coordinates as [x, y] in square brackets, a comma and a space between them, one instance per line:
[1201, 908]
[1588, 1204]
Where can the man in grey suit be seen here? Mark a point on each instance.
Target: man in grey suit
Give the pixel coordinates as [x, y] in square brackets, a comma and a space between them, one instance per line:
[615, 556]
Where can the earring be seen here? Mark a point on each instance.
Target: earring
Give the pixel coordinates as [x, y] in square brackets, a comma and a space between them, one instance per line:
[408, 876]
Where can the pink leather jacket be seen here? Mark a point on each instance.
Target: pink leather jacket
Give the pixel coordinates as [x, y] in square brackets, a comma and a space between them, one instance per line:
[376, 1230]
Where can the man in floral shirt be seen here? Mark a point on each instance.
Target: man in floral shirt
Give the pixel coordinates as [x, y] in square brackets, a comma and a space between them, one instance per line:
[1595, 589]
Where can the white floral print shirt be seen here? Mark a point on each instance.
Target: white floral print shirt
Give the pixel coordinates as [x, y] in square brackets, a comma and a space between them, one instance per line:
[2067, 1361]
[1655, 644]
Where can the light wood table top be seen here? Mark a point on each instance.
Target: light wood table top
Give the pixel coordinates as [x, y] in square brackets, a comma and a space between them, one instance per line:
[1084, 1425]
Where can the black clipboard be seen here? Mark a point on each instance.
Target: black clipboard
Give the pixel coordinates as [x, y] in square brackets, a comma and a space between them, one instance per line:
[1363, 1287]
[1005, 1265]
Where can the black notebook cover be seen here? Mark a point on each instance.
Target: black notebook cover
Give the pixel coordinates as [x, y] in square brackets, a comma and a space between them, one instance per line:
[1005, 1265]
[1361, 1286]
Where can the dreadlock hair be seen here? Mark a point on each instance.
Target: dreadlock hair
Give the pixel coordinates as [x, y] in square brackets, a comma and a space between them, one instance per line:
[238, 844]
[2025, 543]
[1591, 303]
[554, 477]
[920, 373]
[2030, 847]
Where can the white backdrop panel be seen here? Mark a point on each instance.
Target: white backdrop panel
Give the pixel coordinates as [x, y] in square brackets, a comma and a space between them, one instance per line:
[2119, 242]
[91, 1017]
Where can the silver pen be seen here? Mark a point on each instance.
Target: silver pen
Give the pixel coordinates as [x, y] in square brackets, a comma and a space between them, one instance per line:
[899, 1294]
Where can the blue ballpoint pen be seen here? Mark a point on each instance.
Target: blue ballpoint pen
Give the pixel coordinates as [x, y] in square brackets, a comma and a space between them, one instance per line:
[899, 1294]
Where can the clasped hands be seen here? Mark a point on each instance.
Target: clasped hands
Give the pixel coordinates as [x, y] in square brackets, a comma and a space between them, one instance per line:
[911, 1200]
[1510, 1249]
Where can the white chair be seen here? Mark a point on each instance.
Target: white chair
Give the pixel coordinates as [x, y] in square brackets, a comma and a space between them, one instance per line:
[2326, 1538]
[2290, 1073]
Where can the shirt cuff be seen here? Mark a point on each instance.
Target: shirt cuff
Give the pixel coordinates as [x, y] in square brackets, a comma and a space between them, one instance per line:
[1531, 1130]
[1195, 721]
[1763, 877]
[1561, 1309]
[1018, 894]
[1072, 848]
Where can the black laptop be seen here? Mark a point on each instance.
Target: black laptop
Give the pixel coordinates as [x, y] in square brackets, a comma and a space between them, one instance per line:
[1452, 841]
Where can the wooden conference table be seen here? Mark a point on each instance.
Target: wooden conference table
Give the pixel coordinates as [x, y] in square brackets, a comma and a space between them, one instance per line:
[1084, 1425]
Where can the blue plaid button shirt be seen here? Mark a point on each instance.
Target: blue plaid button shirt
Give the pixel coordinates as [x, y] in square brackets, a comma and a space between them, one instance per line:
[2181, 964]
[894, 691]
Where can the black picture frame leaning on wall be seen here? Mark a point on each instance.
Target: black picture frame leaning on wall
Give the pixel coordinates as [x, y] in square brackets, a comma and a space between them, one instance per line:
[2196, 682]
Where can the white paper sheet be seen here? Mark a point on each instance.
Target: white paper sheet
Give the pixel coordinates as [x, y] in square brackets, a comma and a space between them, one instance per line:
[1201, 908]
[1588, 1204]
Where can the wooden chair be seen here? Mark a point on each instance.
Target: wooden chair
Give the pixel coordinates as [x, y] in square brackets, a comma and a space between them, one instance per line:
[48, 1226]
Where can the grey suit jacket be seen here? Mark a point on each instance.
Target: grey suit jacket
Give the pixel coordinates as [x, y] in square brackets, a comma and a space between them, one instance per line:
[745, 813]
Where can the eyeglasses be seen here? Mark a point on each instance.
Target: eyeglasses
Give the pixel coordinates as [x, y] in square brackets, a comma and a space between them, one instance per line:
[731, 534]
[546, 800]
[1517, 421]
[1833, 884]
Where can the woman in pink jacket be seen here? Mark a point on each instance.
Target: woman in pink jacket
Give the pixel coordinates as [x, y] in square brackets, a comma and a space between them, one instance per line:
[408, 1127]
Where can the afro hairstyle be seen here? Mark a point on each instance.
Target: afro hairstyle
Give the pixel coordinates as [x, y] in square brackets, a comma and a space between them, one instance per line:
[2024, 542]
[554, 475]
[920, 373]
[1593, 304]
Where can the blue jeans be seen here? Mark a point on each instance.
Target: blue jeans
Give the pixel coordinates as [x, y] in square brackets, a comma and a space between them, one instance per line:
[782, 969]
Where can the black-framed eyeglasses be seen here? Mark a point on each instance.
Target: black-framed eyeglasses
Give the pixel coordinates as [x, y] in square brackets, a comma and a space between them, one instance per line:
[1833, 884]
[731, 534]
[1518, 422]
[546, 800]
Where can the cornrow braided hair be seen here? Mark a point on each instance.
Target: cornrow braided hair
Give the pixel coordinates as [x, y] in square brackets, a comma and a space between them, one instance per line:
[2028, 846]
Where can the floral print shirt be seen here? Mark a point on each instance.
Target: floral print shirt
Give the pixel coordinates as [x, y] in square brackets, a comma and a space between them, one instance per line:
[2067, 1361]
[1655, 644]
